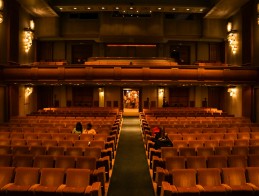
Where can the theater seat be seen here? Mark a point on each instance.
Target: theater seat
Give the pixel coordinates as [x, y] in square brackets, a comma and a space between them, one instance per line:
[25, 177]
[78, 183]
[6, 177]
[253, 178]
[184, 182]
[210, 181]
[235, 180]
[50, 180]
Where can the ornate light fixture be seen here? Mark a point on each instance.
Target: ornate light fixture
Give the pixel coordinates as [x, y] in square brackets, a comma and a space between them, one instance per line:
[28, 36]
[232, 38]
[1, 11]
[232, 91]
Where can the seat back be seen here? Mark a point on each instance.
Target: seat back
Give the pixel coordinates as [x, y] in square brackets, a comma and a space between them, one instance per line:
[65, 162]
[237, 161]
[43, 161]
[26, 176]
[209, 177]
[6, 175]
[93, 152]
[52, 176]
[86, 163]
[184, 177]
[253, 175]
[168, 152]
[174, 163]
[217, 161]
[22, 161]
[77, 177]
[234, 176]
[195, 162]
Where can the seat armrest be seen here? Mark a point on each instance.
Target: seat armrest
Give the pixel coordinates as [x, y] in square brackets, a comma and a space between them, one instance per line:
[6, 186]
[201, 189]
[60, 188]
[96, 189]
[33, 187]
[160, 175]
[227, 187]
[253, 186]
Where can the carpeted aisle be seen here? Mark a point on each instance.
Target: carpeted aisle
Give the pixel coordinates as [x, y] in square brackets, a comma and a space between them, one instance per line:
[130, 174]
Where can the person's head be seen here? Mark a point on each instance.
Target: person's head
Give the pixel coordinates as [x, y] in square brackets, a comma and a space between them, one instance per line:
[89, 126]
[79, 127]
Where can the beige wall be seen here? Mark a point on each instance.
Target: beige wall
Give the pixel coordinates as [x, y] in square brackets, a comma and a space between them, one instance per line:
[201, 93]
[111, 94]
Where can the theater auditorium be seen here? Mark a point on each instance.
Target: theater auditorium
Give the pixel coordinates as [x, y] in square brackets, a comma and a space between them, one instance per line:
[129, 97]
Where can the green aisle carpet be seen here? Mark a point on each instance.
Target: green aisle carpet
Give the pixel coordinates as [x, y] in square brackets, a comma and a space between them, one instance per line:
[130, 176]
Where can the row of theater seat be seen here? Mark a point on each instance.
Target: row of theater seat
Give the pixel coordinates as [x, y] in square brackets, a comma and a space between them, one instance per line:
[237, 129]
[203, 151]
[227, 181]
[47, 181]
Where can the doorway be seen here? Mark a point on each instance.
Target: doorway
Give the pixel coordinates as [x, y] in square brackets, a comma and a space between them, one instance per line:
[130, 101]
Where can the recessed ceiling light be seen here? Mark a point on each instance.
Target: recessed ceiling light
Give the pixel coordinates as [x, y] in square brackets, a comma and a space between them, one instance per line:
[117, 8]
[201, 10]
[159, 8]
[137, 11]
[173, 9]
[103, 8]
[187, 9]
[150, 11]
[131, 8]
[88, 8]
[61, 8]
[75, 8]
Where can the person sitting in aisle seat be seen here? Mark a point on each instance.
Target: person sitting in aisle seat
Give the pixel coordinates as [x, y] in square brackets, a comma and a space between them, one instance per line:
[78, 129]
[89, 129]
[161, 139]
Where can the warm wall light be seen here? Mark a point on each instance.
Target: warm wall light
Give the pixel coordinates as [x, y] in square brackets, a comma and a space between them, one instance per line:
[1, 11]
[232, 92]
[28, 37]
[229, 26]
[232, 40]
[28, 91]
[32, 25]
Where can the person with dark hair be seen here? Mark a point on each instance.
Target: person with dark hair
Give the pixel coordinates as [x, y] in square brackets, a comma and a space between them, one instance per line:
[89, 129]
[78, 129]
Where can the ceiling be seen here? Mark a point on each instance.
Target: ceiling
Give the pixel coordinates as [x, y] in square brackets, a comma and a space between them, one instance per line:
[220, 9]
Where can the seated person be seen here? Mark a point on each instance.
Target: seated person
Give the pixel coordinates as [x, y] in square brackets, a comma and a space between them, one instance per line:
[161, 139]
[89, 129]
[78, 129]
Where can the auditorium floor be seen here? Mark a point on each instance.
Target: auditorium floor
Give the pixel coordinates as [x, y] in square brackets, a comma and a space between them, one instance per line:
[130, 175]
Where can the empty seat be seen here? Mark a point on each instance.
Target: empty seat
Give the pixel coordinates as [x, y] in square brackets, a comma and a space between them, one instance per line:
[6, 177]
[184, 182]
[232, 130]
[235, 178]
[29, 136]
[6, 160]
[25, 177]
[187, 151]
[244, 129]
[253, 177]
[253, 149]
[211, 143]
[18, 142]
[93, 152]
[58, 136]
[196, 143]
[174, 163]
[168, 152]
[253, 160]
[5, 149]
[43, 161]
[50, 180]
[88, 137]
[78, 182]
[241, 142]
[33, 142]
[237, 161]
[217, 161]
[22, 161]
[38, 150]
[189, 136]
[226, 142]
[5, 142]
[49, 142]
[16, 150]
[230, 136]
[243, 135]
[222, 150]
[56, 150]
[205, 151]
[240, 150]
[210, 180]
[65, 143]
[74, 151]
[44, 136]
[4, 135]
[72, 136]
[180, 143]
[84, 162]
[195, 162]
[175, 136]
[82, 143]
[65, 162]
[203, 136]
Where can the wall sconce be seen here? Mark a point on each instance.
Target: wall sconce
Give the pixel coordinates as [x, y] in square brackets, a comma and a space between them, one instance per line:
[1, 11]
[232, 38]
[28, 37]
[28, 91]
[161, 91]
[232, 92]
[101, 91]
